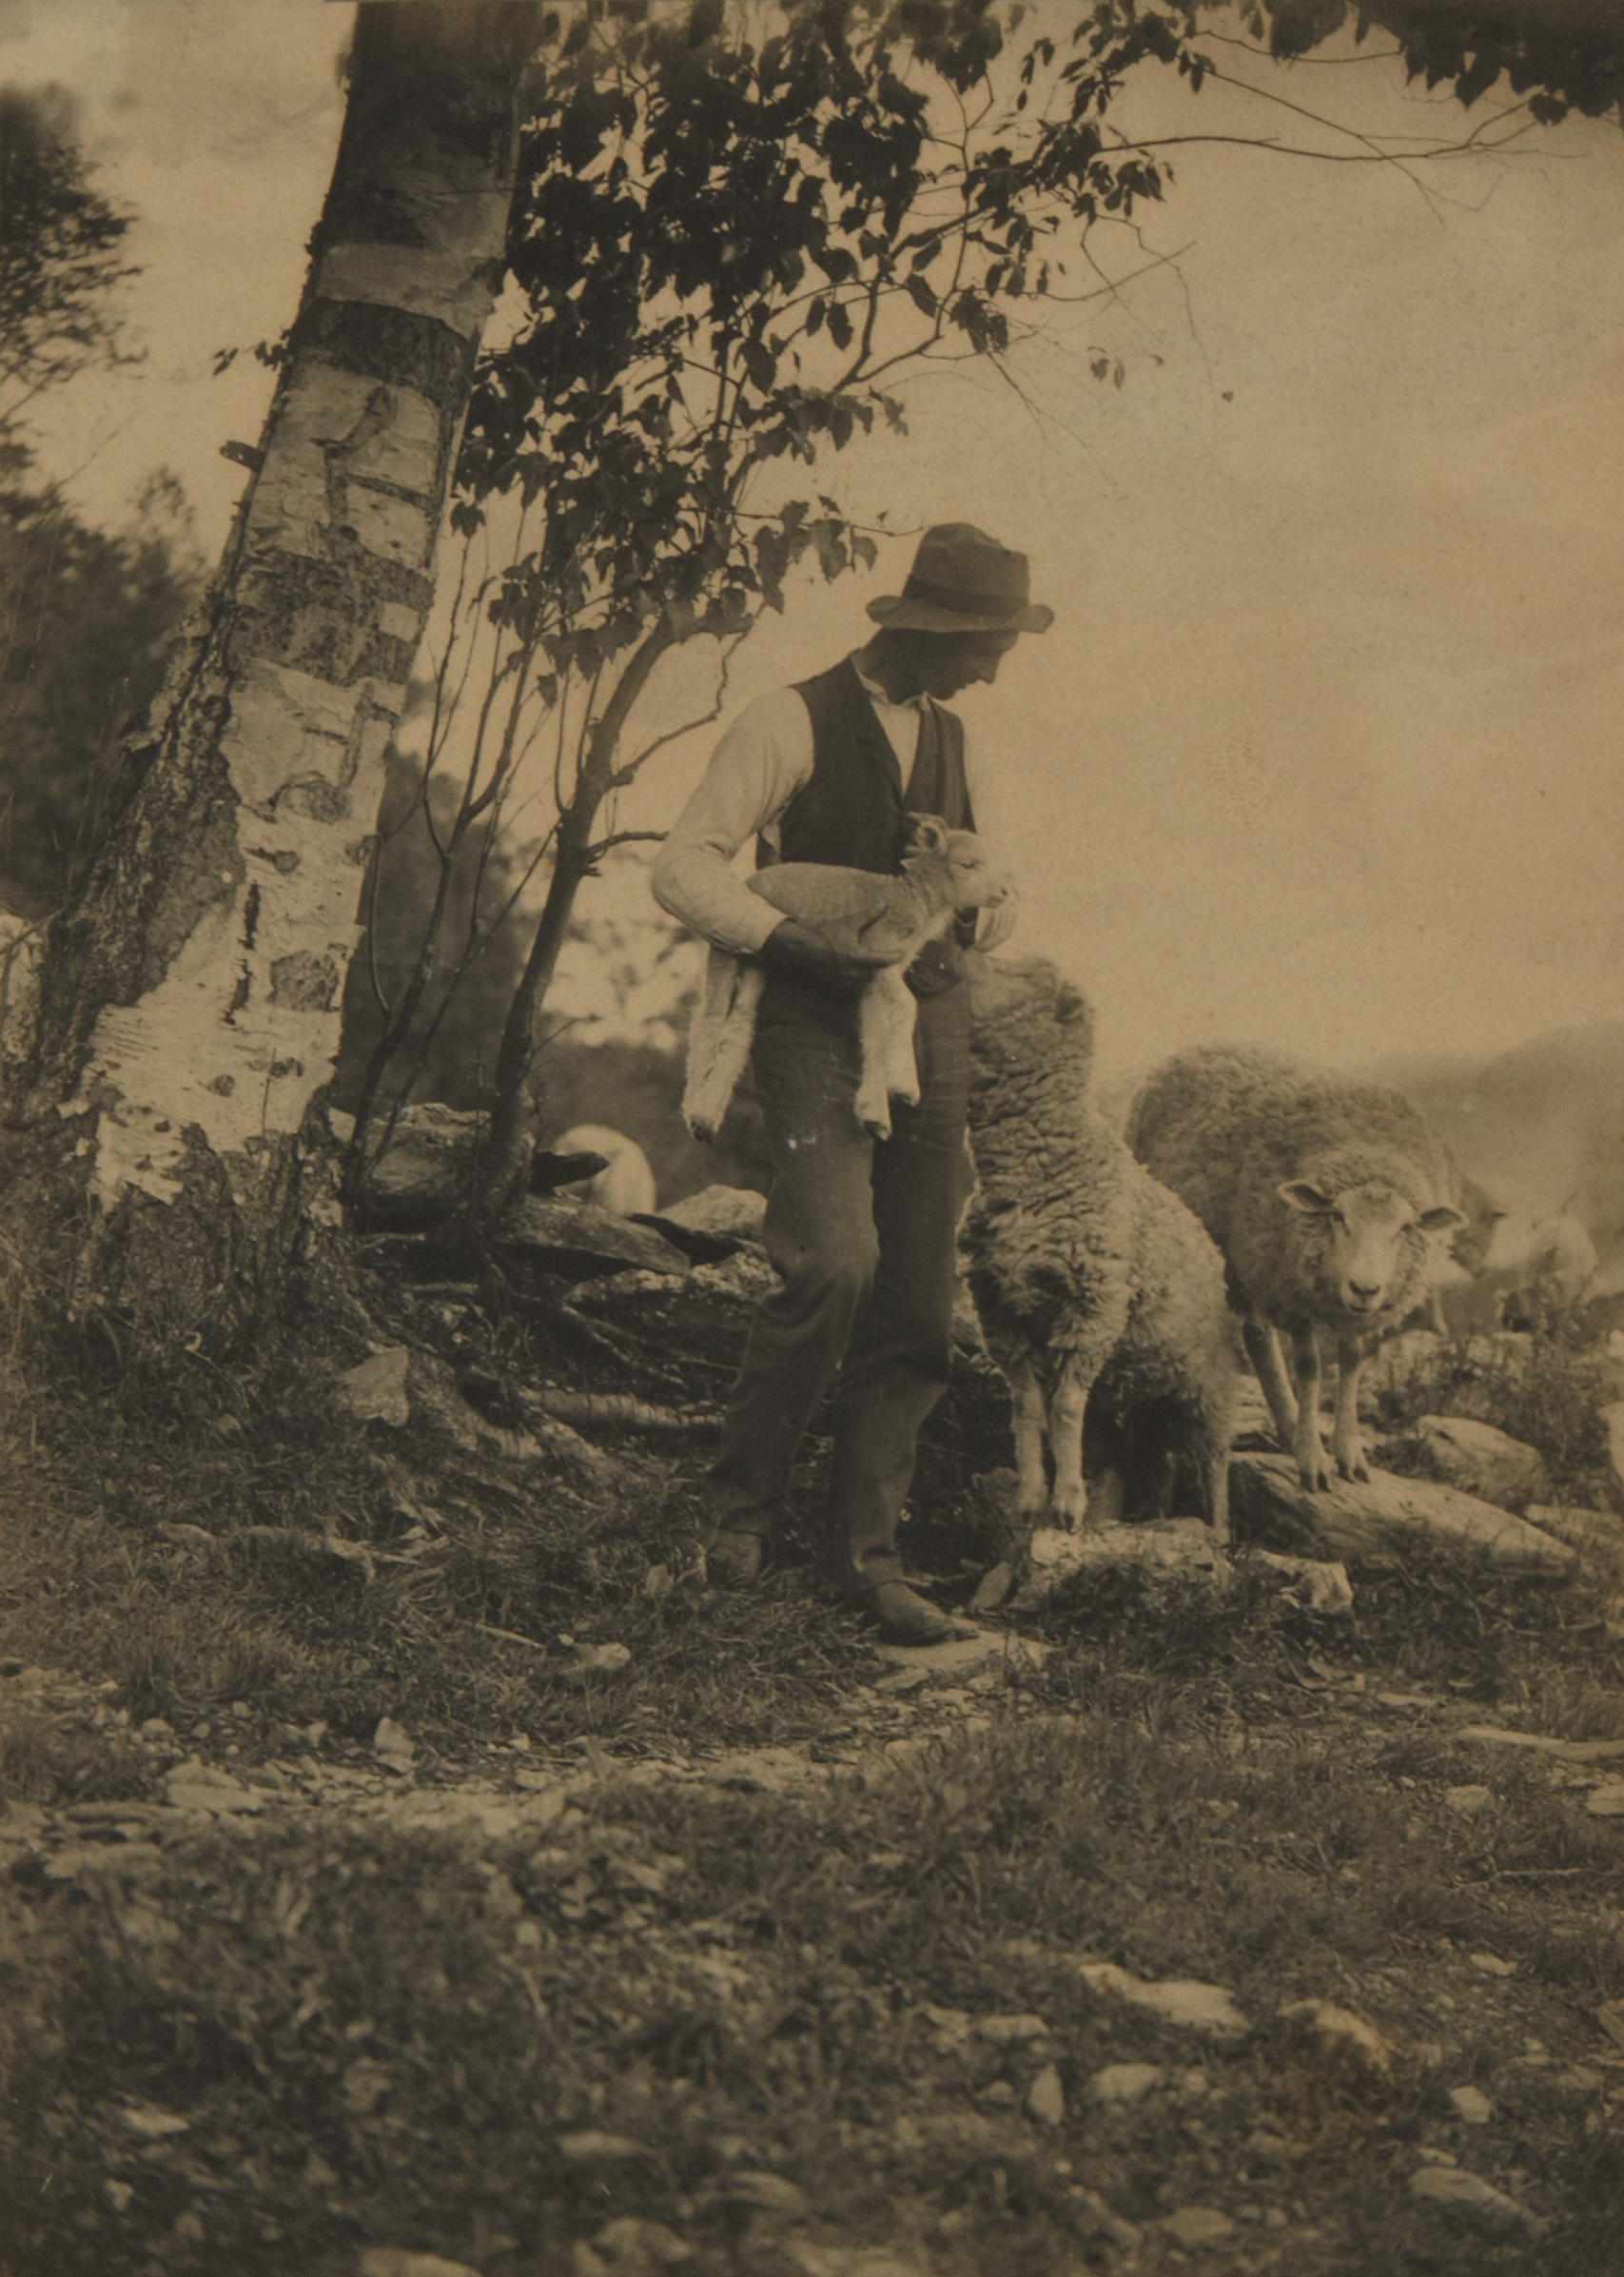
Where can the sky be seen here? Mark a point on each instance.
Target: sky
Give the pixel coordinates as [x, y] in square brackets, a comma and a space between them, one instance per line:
[1322, 747]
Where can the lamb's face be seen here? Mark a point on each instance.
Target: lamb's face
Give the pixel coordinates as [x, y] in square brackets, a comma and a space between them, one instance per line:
[1364, 1248]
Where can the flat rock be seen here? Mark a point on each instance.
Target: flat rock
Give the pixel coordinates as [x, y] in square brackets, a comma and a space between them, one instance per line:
[711, 1225]
[1483, 1461]
[1469, 1800]
[967, 1652]
[1566, 1750]
[1317, 1584]
[1606, 1801]
[1045, 2099]
[580, 1240]
[1379, 1524]
[1009, 2031]
[399, 2260]
[1466, 2194]
[1180, 1550]
[1125, 2083]
[1175, 2000]
[1198, 2226]
[1471, 2104]
[195, 1785]
[376, 1390]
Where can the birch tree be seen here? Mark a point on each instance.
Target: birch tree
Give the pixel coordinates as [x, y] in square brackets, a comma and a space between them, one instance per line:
[163, 1044]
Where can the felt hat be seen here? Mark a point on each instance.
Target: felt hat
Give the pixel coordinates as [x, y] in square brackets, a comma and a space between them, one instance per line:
[962, 581]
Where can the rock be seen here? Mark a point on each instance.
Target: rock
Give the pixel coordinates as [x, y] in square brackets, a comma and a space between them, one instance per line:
[1467, 2195]
[1483, 1461]
[1008, 2031]
[152, 2123]
[393, 1746]
[1045, 2099]
[1469, 1800]
[1606, 1801]
[1124, 2083]
[580, 1240]
[376, 1391]
[593, 2146]
[399, 2260]
[1345, 2038]
[763, 2193]
[1489, 1964]
[1176, 2000]
[195, 1785]
[1197, 2227]
[1471, 2105]
[1317, 1584]
[1567, 1751]
[1379, 1524]
[1597, 1535]
[632, 2246]
[736, 1209]
[1177, 1550]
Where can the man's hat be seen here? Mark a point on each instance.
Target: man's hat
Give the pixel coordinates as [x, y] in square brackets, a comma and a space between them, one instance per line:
[962, 581]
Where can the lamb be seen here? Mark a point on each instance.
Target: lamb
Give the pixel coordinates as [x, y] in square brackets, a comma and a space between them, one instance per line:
[1099, 1296]
[1322, 1195]
[626, 1182]
[864, 912]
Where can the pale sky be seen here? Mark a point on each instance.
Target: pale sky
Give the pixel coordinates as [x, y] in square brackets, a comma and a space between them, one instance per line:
[1322, 747]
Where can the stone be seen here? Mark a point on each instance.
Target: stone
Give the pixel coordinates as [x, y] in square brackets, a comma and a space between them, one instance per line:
[1177, 1550]
[393, 1746]
[594, 2147]
[1606, 1801]
[1177, 2000]
[1376, 1526]
[1469, 2195]
[1198, 2226]
[1341, 2035]
[1481, 1459]
[1471, 2105]
[580, 1240]
[1045, 2099]
[632, 2246]
[737, 1210]
[1566, 1750]
[1469, 1800]
[399, 2260]
[1489, 1964]
[1597, 1535]
[1315, 1584]
[1009, 2031]
[376, 1390]
[1124, 2083]
[195, 1785]
[152, 2123]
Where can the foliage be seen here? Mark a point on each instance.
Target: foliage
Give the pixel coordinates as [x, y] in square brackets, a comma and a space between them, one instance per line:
[61, 254]
[85, 618]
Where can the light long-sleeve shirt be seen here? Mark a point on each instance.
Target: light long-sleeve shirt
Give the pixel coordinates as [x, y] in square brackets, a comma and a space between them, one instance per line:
[756, 769]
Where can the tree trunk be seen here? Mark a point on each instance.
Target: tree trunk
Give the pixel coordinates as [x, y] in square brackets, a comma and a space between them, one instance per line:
[186, 1008]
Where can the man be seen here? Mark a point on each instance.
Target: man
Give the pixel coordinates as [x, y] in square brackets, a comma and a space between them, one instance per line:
[863, 1233]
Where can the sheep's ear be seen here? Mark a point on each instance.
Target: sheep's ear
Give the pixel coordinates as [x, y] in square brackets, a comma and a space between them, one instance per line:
[1440, 1220]
[928, 834]
[1302, 1195]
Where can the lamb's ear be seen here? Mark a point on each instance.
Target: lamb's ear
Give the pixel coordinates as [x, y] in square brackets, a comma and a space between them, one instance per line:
[1302, 1195]
[927, 833]
[1440, 1220]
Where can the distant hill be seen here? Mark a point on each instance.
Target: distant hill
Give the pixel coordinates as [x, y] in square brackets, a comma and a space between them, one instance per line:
[1541, 1125]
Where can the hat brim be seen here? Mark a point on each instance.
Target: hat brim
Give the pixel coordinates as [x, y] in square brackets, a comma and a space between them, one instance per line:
[900, 615]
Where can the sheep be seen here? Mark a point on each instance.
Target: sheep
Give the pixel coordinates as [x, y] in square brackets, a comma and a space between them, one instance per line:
[864, 912]
[1466, 1251]
[1530, 1272]
[1322, 1195]
[1099, 1296]
[626, 1182]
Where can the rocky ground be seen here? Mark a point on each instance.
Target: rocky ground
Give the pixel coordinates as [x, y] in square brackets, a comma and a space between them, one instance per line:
[408, 1867]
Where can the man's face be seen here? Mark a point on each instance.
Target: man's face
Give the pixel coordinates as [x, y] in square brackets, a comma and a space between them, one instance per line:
[945, 663]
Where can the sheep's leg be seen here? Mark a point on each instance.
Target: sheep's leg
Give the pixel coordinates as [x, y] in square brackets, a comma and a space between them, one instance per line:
[1026, 1394]
[1348, 1442]
[1313, 1465]
[885, 1035]
[1263, 1350]
[1067, 1410]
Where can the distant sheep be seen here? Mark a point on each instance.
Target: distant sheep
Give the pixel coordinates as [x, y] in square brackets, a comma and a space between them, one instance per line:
[626, 1184]
[1322, 1196]
[865, 913]
[1464, 1250]
[1530, 1272]
[1099, 1294]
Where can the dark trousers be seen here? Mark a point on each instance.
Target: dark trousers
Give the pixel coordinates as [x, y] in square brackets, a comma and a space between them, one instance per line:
[863, 1234]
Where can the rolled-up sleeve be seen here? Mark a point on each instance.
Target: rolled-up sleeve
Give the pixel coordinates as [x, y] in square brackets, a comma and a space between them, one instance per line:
[754, 772]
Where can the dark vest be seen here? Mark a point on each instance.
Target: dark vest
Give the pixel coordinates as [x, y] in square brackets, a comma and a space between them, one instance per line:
[854, 808]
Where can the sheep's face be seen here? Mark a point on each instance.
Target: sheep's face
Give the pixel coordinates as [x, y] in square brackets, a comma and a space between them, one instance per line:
[1015, 999]
[970, 877]
[1366, 1247]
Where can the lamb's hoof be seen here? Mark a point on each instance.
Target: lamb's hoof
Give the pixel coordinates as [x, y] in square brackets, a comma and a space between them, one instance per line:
[876, 1128]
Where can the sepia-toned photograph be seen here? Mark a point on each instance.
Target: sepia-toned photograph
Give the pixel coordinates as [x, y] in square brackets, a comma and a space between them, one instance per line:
[811, 1138]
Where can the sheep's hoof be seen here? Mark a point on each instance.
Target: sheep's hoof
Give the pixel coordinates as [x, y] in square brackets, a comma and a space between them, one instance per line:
[877, 1126]
[1355, 1468]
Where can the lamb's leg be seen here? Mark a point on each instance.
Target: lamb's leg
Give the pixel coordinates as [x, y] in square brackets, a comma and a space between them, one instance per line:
[1347, 1442]
[1263, 1350]
[885, 1037]
[1067, 1411]
[1026, 1394]
[1313, 1465]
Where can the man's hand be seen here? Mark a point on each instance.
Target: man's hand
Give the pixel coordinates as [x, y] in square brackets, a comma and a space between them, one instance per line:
[799, 953]
[998, 920]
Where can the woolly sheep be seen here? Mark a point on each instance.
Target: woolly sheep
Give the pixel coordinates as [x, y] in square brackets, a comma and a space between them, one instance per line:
[864, 912]
[1530, 1271]
[1322, 1196]
[1462, 1255]
[1099, 1296]
[626, 1184]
